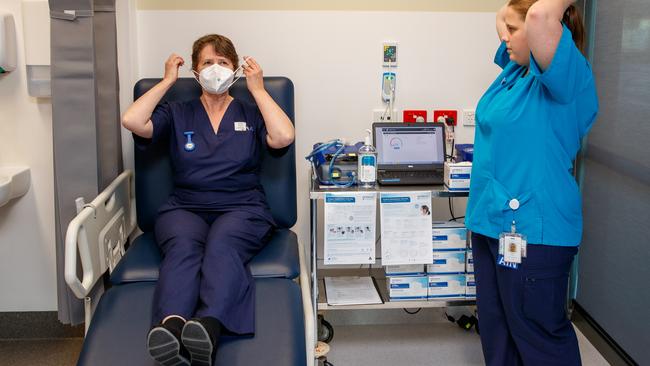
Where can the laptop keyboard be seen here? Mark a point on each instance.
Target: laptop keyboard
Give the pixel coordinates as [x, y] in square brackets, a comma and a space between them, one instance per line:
[410, 177]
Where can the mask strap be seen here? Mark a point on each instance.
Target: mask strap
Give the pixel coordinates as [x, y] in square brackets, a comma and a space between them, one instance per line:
[196, 77]
[237, 77]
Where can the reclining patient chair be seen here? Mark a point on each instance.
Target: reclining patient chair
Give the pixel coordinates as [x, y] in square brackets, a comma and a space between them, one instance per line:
[118, 327]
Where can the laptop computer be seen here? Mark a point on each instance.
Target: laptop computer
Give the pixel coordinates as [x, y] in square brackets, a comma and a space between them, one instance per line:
[409, 153]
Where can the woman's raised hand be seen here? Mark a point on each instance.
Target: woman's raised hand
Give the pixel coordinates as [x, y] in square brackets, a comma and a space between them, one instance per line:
[171, 67]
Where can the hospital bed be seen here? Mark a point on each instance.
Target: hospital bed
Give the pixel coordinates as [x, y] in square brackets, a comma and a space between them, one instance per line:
[96, 239]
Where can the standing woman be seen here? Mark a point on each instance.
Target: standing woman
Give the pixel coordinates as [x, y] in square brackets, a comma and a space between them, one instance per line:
[530, 123]
[216, 218]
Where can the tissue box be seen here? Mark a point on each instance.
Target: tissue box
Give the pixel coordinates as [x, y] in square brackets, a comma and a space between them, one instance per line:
[470, 288]
[405, 270]
[458, 175]
[448, 235]
[447, 262]
[407, 287]
[446, 286]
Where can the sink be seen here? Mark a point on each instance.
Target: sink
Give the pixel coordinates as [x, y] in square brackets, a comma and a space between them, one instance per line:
[14, 182]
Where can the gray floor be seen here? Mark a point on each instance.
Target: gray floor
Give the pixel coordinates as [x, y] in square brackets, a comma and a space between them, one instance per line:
[419, 345]
[388, 344]
[41, 352]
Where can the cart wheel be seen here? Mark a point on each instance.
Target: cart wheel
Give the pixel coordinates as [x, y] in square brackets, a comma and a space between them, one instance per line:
[325, 331]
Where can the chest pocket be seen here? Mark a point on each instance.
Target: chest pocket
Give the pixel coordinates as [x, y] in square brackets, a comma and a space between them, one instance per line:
[240, 145]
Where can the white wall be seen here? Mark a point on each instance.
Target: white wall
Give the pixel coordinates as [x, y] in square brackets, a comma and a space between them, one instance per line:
[331, 56]
[27, 248]
[334, 60]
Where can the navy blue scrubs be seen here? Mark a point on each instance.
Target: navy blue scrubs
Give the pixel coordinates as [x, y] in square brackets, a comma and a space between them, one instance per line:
[216, 219]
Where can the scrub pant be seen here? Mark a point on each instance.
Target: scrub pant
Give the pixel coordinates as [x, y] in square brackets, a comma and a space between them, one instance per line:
[522, 312]
[203, 270]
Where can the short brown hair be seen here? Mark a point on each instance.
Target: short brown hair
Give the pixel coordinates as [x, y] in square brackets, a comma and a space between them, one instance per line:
[222, 45]
[571, 18]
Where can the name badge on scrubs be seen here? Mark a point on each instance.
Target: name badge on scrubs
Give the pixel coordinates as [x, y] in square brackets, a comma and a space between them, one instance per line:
[240, 126]
[512, 245]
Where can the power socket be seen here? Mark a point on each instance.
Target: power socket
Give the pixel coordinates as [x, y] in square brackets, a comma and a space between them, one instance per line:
[449, 113]
[378, 116]
[469, 117]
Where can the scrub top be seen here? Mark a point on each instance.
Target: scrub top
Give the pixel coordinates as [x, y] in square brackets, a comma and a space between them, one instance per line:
[221, 172]
[529, 126]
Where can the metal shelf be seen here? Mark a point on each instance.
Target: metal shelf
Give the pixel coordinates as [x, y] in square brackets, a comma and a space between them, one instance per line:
[317, 192]
[381, 284]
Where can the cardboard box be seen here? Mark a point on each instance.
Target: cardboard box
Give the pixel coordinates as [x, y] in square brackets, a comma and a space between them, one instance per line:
[447, 286]
[469, 265]
[447, 262]
[470, 287]
[402, 288]
[448, 235]
[405, 270]
[457, 175]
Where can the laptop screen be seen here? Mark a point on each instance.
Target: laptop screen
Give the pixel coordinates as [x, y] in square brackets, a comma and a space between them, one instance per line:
[409, 144]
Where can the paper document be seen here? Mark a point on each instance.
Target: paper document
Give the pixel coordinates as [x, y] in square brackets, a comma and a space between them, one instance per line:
[350, 219]
[351, 291]
[406, 228]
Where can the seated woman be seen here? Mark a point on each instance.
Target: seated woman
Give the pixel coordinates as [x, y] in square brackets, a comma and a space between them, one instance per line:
[216, 218]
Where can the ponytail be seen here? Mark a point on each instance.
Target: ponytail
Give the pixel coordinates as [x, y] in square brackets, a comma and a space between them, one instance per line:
[573, 20]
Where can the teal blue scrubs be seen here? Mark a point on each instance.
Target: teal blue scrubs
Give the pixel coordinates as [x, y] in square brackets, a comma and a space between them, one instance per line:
[529, 126]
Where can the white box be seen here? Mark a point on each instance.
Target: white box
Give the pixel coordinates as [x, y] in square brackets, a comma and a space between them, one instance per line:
[446, 286]
[458, 175]
[405, 270]
[469, 266]
[448, 235]
[447, 262]
[407, 287]
[470, 288]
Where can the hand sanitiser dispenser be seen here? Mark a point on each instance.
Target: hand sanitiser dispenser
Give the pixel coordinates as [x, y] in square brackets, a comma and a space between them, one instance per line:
[7, 42]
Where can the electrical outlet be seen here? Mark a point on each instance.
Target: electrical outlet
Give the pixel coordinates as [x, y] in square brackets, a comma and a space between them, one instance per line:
[378, 116]
[414, 115]
[469, 117]
[453, 114]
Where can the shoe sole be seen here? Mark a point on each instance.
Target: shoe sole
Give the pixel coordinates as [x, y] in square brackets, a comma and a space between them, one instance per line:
[164, 348]
[197, 342]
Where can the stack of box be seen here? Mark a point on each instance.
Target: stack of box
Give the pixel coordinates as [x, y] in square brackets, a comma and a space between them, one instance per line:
[450, 275]
[447, 272]
[470, 293]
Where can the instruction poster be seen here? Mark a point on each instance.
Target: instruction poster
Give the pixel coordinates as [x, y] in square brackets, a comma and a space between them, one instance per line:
[406, 228]
[350, 220]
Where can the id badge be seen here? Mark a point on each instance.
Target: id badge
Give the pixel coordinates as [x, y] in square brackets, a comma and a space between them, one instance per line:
[240, 126]
[512, 244]
[512, 248]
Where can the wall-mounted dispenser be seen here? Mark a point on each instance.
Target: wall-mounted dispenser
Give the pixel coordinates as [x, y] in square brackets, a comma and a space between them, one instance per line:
[7, 42]
[36, 29]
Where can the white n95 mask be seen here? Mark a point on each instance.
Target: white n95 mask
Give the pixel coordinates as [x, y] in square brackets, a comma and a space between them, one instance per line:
[216, 79]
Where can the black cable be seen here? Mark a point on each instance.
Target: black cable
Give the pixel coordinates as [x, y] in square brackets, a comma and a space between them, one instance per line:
[451, 210]
[412, 313]
[452, 142]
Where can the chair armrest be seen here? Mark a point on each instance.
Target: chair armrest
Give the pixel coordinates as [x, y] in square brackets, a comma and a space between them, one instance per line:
[99, 232]
[307, 305]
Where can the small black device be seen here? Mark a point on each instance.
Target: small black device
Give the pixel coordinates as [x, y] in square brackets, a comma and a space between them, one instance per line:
[409, 153]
